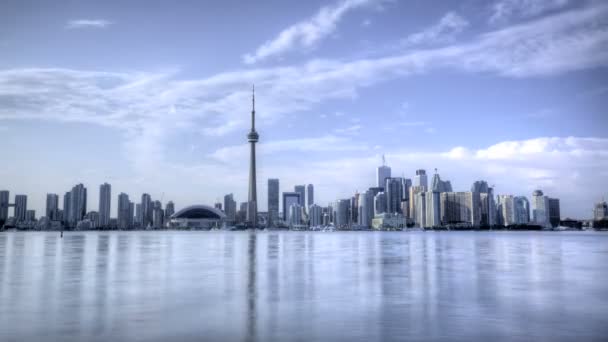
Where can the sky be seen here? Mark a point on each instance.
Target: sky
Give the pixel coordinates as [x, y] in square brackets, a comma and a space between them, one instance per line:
[155, 96]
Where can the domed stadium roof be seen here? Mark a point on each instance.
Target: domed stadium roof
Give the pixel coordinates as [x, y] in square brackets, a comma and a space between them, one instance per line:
[199, 212]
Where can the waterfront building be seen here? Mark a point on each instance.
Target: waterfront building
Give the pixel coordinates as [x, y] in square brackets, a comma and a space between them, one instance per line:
[459, 209]
[414, 189]
[310, 195]
[420, 179]
[124, 216]
[382, 173]
[315, 215]
[432, 209]
[554, 212]
[52, 207]
[440, 186]
[295, 214]
[354, 208]
[380, 203]
[158, 215]
[486, 204]
[198, 217]
[30, 215]
[273, 201]
[420, 209]
[540, 209]
[138, 215]
[170, 210]
[230, 208]
[506, 210]
[290, 198]
[366, 208]
[146, 210]
[394, 194]
[300, 189]
[20, 207]
[4, 204]
[105, 193]
[67, 202]
[600, 211]
[521, 210]
[388, 221]
[342, 214]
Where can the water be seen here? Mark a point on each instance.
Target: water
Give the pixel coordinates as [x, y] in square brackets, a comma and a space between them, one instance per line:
[302, 286]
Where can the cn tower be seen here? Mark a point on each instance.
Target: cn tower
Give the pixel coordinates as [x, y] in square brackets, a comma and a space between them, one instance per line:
[252, 137]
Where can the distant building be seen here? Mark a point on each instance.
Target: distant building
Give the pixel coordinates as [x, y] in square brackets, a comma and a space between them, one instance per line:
[295, 214]
[354, 208]
[290, 198]
[52, 207]
[273, 201]
[342, 214]
[146, 210]
[366, 208]
[67, 203]
[394, 194]
[419, 199]
[387, 221]
[138, 215]
[20, 207]
[169, 211]
[380, 203]
[78, 205]
[158, 215]
[413, 213]
[486, 204]
[459, 209]
[30, 215]
[554, 212]
[521, 210]
[301, 189]
[315, 215]
[4, 204]
[420, 179]
[230, 208]
[506, 210]
[600, 211]
[310, 195]
[440, 186]
[124, 217]
[382, 173]
[105, 193]
[433, 209]
[199, 217]
[540, 209]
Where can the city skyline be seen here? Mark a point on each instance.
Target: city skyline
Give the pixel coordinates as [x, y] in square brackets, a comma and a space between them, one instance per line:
[445, 89]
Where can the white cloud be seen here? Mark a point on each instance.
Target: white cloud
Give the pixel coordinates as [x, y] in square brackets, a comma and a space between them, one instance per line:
[307, 33]
[505, 10]
[350, 130]
[88, 23]
[448, 26]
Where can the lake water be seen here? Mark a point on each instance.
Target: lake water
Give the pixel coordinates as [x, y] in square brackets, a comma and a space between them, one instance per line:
[303, 286]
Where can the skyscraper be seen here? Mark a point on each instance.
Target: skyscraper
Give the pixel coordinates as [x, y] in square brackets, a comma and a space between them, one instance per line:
[439, 185]
[52, 206]
[67, 204]
[554, 212]
[420, 179]
[20, 207]
[540, 209]
[105, 193]
[146, 210]
[289, 198]
[487, 205]
[342, 213]
[600, 211]
[4, 203]
[273, 201]
[521, 209]
[124, 219]
[366, 208]
[301, 189]
[506, 210]
[380, 203]
[310, 195]
[78, 204]
[382, 173]
[316, 215]
[170, 210]
[252, 137]
[394, 194]
[230, 208]
[459, 208]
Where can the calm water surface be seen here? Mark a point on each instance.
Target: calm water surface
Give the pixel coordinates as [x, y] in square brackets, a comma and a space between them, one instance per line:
[300, 286]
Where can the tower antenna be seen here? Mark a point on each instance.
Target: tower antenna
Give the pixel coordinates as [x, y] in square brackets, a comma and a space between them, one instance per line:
[383, 160]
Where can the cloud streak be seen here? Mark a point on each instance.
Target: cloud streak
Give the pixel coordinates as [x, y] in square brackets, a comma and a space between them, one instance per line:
[88, 23]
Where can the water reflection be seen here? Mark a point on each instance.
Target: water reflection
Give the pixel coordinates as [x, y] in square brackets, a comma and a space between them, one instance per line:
[282, 286]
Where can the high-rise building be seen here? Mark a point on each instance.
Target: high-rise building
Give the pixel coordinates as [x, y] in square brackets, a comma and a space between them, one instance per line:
[30, 215]
[252, 137]
[310, 195]
[432, 209]
[366, 208]
[420, 209]
[230, 208]
[52, 206]
[554, 212]
[105, 193]
[459, 208]
[420, 179]
[124, 217]
[316, 215]
[521, 210]
[301, 189]
[157, 215]
[487, 206]
[394, 194]
[380, 203]
[289, 198]
[78, 204]
[20, 207]
[170, 210]
[600, 211]
[342, 214]
[4, 204]
[138, 215]
[273, 201]
[440, 186]
[67, 203]
[354, 208]
[413, 213]
[382, 173]
[295, 214]
[506, 210]
[407, 184]
[540, 209]
[147, 211]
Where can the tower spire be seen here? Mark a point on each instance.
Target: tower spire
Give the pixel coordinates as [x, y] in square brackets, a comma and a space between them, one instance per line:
[253, 107]
[383, 160]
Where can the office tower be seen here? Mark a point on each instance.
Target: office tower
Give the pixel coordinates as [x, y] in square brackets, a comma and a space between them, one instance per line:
[295, 214]
[20, 207]
[93, 218]
[354, 208]
[432, 209]
[241, 214]
[52, 206]
[380, 203]
[301, 189]
[420, 209]
[366, 208]
[394, 194]
[521, 210]
[273, 201]
[146, 210]
[342, 213]
[157, 215]
[414, 189]
[4, 204]
[440, 186]
[138, 214]
[105, 193]
[78, 204]
[459, 208]
[130, 215]
[506, 210]
[310, 195]
[382, 173]
[67, 203]
[30, 215]
[230, 208]
[487, 206]
[124, 215]
[316, 215]
[540, 209]
[170, 209]
[554, 213]
[252, 137]
[289, 198]
[420, 179]
[407, 184]
[600, 211]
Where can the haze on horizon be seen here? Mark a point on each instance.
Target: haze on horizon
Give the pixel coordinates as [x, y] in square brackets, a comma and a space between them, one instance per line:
[154, 96]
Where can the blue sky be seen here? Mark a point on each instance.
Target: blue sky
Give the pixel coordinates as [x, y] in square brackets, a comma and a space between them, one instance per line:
[154, 96]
